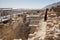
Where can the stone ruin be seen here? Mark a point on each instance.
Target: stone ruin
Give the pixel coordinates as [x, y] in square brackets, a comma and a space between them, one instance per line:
[19, 28]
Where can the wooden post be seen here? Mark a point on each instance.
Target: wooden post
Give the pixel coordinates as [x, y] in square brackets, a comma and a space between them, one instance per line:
[45, 18]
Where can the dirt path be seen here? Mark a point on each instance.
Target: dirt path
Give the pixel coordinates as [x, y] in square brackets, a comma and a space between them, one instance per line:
[40, 34]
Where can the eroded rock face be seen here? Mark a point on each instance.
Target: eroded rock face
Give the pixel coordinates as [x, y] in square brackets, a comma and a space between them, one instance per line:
[23, 32]
[9, 30]
[16, 29]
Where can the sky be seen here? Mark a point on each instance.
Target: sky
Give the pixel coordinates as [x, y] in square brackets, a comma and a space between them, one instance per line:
[26, 4]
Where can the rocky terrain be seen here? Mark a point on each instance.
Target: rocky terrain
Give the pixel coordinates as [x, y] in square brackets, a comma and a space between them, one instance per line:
[33, 25]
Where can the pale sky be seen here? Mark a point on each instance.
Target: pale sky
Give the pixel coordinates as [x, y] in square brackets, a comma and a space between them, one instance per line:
[31, 4]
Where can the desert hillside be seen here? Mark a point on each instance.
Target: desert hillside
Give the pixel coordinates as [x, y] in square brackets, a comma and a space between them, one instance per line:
[30, 25]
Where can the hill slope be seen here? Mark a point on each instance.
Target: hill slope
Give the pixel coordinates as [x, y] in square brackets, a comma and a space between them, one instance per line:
[52, 5]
